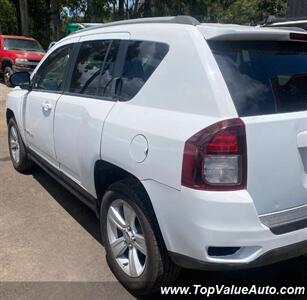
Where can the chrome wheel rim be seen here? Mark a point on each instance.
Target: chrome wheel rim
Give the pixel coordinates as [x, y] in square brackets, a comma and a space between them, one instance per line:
[126, 238]
[14, 145]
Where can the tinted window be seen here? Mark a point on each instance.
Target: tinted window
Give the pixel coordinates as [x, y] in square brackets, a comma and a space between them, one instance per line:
[88, 67]
[50, 76]
[142, 59]
[264, 77]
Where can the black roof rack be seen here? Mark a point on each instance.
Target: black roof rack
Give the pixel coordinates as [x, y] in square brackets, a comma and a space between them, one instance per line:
[187, 20]
[272, 19]
[289, 28]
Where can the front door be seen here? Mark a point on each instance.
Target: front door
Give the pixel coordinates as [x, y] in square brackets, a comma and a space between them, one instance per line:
[82, 110]
[48, 84]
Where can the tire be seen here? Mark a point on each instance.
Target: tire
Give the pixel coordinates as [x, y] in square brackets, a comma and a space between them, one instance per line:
[8, 71]
[158, 269]
[17, 149]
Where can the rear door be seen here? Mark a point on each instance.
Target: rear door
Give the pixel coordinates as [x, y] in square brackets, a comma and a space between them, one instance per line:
[48, 85]
[81, 111]
[268, 84]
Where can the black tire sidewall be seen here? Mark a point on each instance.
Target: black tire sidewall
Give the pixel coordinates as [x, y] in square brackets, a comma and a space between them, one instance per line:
[147, 280]
[10, 71]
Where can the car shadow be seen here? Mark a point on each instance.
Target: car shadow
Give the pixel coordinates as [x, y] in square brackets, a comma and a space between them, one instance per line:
[290, 274]
[79, 211]
[287, 273]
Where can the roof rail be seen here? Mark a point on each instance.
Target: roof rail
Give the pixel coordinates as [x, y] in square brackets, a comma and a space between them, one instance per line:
[289, 28]
[187, 20]
[272, 19]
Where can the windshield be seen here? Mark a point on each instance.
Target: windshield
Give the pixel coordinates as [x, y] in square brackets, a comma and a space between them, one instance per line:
[23, 45]
[264, 77]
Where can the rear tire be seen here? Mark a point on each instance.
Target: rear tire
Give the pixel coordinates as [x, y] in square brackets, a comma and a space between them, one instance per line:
[8, 71]
[154, 268]
[17, 149]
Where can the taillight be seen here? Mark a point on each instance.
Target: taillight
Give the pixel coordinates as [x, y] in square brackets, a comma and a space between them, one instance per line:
[215, 158]
[298, 36]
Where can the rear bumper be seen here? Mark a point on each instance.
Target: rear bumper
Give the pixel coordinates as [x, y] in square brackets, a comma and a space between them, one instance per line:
[192, 222]
[286, 221]
[270, 257]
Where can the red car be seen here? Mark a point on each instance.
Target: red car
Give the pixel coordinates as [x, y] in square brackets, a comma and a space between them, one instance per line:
[18, 53]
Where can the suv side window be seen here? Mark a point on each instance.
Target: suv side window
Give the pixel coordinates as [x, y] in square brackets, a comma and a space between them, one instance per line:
[142, 58]
[50, 76]
[87, 70]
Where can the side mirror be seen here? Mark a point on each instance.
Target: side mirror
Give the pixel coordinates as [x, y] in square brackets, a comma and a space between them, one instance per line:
[21, 79]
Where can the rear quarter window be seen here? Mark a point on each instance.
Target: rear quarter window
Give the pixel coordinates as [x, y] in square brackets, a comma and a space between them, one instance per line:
[142, 59]
[264, 77]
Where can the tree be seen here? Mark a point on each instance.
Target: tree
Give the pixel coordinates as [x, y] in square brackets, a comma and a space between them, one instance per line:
[99, 10]
[121, 8]
[24, 17]
[8, 18]
[147, 8]
[54, 19]
[247, 11]
[46, 19]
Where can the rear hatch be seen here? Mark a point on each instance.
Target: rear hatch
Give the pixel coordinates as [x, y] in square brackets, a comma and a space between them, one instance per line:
[267, 81]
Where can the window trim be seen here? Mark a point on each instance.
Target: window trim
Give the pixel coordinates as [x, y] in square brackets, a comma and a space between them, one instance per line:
[74, 56]
[103, 65]
[68, 67]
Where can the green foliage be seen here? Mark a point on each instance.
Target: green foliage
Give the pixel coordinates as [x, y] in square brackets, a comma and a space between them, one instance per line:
[225, 11]
[98, 11]
[246, 11]
[234, 11]
[8, 17]
[39, 26]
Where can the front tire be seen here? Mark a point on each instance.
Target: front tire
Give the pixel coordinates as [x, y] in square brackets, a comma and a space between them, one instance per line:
[134, 248]
[17, 149]
[8, 71]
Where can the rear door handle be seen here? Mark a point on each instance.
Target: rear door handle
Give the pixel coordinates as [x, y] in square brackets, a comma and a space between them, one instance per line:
[302, 139]
[46, 106]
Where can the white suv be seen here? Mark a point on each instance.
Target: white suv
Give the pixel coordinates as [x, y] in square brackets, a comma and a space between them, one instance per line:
[188, 140]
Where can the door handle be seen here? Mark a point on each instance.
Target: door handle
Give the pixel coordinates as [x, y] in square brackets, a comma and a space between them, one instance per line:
[46, 106]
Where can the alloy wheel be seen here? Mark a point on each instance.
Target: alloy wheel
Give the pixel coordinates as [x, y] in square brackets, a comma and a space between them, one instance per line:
[14, 145]
[126, 238]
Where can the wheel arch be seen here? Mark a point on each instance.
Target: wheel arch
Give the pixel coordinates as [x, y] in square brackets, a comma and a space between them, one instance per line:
[105, 174]
[9, 115]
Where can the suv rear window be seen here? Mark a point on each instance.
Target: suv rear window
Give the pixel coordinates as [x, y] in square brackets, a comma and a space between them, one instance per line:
[264, 77]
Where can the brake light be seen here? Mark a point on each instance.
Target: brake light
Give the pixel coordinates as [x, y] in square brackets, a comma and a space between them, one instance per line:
[225, 141]
[216, 158]
[298, 36]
